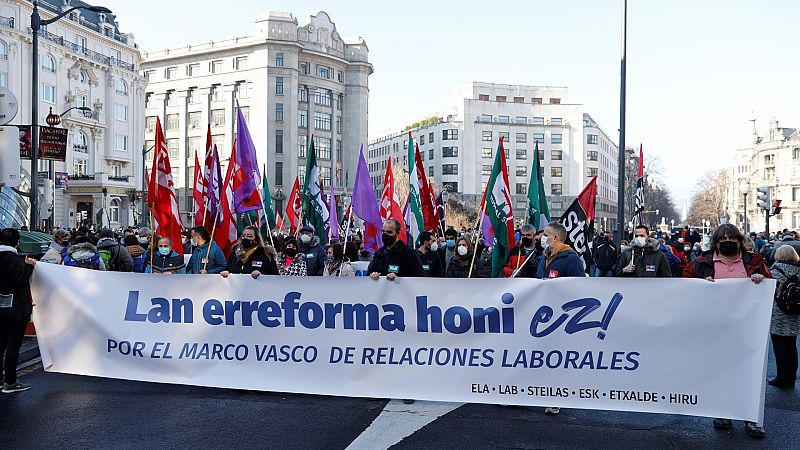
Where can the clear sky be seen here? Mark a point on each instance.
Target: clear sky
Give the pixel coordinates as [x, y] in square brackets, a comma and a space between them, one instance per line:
[698, 71]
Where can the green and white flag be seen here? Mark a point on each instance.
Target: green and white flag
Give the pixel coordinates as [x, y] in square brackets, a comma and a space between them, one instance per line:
[416, 224]
[538, 212]
[499, 211]
[315, 210]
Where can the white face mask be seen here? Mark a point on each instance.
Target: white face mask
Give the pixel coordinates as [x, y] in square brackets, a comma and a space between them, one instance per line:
[305, 239]
[544, 241]
[640, 241]
[462, 250]
[434, 247]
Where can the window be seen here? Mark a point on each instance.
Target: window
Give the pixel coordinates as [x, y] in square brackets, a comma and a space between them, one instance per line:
[173, 123]
[555, 138]
[538, 137]
[591, 172]
[82, 77]
[556, 121]
[48, 64]
[522, 138]
[522, 153]
[193, 96]
[148, 100]
[522, 171]
[522, 120]
[500, 98]
[522, 188]
[48, 93]
[122, 87]
[339, 101]
[279, 175]
[796, 194]
[449, 169]
[172, 148]
[171, 99]
[422, 140]
[486, 117]
[322, 97]
[150, 124]
[278, 85]
[486, 136]
[80, 167]
[304, 68]
[279, 112]
[79, 142]
[216, 92]
[555, 189]
[339, 124]
[240, 63]
[3, 79]
[448, 152]
[302, 144]
[215, 66]
[80, 41]
[148, 75]
[503, 119]
[486, 170]
[591, 139]
[279, 141]
[301, 175]
[149, 145]
[769, 173]
[483, 97]
[538, 120]
[430, 153]
[324, 72]
[121, 143]
[555, 101]
[486, 152]
[218, 117]
[3, 50]
[219, 141]
[555, 171]
[430, 171]
[340, 77]
[769, 160]
[193, 70]
[194, 119]
[322, 121]
[302, 94]
[323, 147]
[504, 135]
[339, 150]
[242, 90]
[541, 155]
[591, 155]
[195, 146]
[796, 153]
[81, 100]
[303, 118]
[536, 100]
[279, 59]
[114, 210]
[171, 73]
[121, 113]
[449, 135]
[430, 137]
[555, 155]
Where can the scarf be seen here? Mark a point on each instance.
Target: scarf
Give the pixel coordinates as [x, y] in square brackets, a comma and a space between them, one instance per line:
[245, 255]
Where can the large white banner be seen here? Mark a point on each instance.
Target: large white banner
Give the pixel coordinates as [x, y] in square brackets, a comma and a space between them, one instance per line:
[666, 346]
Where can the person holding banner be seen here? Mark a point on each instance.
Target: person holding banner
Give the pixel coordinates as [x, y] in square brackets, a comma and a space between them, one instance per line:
[643, 259]
[312, 251]
[251, 256]
[726, 258]
[165, 261]
[289, 263]
[523, 259]
[206, 257]
[395, 258]
[429, 256]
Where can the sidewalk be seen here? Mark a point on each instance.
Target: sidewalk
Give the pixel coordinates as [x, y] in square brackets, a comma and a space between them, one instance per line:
[29, 350]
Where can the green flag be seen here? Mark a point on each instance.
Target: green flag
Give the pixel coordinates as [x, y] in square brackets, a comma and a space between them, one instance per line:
[414, 221]
[538, 212]
[499, 212]
[315, 211]
[267, 196]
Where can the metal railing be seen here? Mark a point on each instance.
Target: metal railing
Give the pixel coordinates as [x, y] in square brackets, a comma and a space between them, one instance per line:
[91, 54]
[7, 22]
[123, 178]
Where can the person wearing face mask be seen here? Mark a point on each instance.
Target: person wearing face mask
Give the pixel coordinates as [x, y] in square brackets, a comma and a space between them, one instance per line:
[312, 251]
[643, 259]
[605, 257]
[186, 242]
[459, 266]
[448, 248]
[337, 264]
[60, 242]
[144, 237]
[250, 256]
[696, 252]
[395, 258]
[206, 257]
[363, 254]
[290, 263]
[428, 253]
[523, 259]
[726, 258]
[165, 260]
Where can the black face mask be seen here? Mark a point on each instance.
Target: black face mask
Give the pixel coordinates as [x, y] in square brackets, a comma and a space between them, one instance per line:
[248, 243]
[526, 241]
[538, 246]
[388, 240]
[728, 248]
[290, 251]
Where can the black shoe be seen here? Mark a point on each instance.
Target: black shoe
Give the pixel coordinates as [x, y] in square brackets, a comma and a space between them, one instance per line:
[722, 424]
[408, 401]
[16, 387]
[754, 430]
[780, 384]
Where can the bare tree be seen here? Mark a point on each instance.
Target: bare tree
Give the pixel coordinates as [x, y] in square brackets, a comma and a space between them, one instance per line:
[656, 196]
[708, 200]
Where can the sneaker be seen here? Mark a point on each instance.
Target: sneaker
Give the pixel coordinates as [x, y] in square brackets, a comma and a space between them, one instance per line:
[16, 387]
[754, 430]
[722, 424]
[408, 401]
[552, 410]
[780, 384]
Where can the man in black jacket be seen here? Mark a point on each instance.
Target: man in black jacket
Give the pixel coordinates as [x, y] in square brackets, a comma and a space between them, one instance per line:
[605, 257]
[16, 306]
[643, 259]
[395, 258]
[429, 256]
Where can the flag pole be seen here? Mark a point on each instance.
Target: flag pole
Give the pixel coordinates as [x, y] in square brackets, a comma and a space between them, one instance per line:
[152, 235]
[299, 224]
[479, 227]
[513, 275]
[213, 230]
[347, 227]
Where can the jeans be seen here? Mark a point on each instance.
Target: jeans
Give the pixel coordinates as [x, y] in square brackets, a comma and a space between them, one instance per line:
[597, 272]
[11, 334]
[785, 348]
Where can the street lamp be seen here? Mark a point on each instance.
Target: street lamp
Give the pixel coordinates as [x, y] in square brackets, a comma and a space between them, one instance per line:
[445, 196]
[36, 24]
[744, 188]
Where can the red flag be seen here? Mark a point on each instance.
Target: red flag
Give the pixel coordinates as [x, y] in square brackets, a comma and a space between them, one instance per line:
[162, 198]
[294, 207]
[390, 204]
[425, 199]
[578, 219]
[198, 194]
[279, 222]
[225, 233]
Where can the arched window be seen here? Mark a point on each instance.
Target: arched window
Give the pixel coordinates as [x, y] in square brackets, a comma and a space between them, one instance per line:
[113, 211]
[79, 143]
[48, 64]
[82, 77]
[3, 50]
[122, 87]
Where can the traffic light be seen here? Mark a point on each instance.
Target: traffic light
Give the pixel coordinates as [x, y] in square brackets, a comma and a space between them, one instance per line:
[776, 207]
[763, 198]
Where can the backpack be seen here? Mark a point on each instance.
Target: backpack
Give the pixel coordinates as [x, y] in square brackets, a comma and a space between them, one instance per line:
[788, 296]
[109, 257]
[92, 263]
[138, 264]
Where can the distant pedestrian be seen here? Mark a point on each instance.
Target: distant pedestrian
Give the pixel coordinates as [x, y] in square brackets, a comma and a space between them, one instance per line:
[784, 328]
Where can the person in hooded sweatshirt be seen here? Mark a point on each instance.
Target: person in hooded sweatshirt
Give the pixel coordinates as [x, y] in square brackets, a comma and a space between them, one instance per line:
[60, 242]
[643, 259]
[166, 260]
[312, 251]
[82, 253]
[136, 251]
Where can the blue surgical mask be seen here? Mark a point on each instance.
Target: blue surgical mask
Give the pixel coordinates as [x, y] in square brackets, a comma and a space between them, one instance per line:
[164, 251]
[450, 243]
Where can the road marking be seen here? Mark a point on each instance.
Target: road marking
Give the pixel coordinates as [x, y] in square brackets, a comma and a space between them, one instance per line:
[398, 421]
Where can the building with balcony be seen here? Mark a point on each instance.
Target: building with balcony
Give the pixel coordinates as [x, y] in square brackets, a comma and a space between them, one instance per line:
[85, 61]
[291, 82]
[458, 145]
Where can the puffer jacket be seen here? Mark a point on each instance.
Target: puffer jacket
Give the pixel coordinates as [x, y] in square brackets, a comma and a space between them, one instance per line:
[53, 254]
[783, 324]
[459, 267]
[703, 267]
[648, 261]
[139, 256]
[566, 263]
[83, 253]
[162, 264]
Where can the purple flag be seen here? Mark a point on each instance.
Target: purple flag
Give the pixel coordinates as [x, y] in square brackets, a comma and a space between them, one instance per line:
[365, 205]
[214, 184]
[246, 196]
[333, 228]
